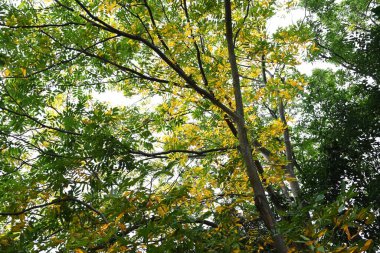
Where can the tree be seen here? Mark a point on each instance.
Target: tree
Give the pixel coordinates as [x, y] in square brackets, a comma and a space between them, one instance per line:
[86, 176]
[347, 33]
[338, 148]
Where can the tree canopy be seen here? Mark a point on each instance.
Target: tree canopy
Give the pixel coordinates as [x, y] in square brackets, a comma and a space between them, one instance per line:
[229, 147]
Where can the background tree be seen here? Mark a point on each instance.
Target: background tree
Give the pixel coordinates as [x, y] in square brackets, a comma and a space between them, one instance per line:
[347, 33]
[339, 131]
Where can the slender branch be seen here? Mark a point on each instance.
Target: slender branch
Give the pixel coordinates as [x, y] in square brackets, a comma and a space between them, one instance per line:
[88, 206]
[25, 210]
[141, 21]
[199, 59]
[205, 222]
[45, 69]
[294, 185]
[63, 61]
[121, 67]
[343, 61]
[155, 26]
[39, 122]
[244, 19]
[41, 26]
[198, 153]
[56, 201]
[263, 69]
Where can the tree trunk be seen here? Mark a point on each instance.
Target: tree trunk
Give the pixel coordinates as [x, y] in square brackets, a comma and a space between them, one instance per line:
[261, 201]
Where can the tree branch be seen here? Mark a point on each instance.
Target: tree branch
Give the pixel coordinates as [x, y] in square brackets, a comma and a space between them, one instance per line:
[199, 59]
[56, 201]
[41, 26]
[39, 122]
[197, 153]
[155, 26]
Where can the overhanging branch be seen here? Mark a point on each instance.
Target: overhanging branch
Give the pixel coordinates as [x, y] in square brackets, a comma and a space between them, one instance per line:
[56, 201]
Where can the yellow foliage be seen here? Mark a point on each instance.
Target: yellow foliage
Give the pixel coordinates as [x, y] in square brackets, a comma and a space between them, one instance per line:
[322, 233]
[104, 227]
[56, 241]
[219, 209]
[126, 193]
[119, 217]
[7, 72]
[352, 249]
[162, 210]
[110, 6]
[347, 231]
[23, 71]
[18, 227]
[366, 245]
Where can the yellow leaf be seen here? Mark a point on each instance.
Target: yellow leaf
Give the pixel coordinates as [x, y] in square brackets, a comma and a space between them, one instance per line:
[362, 214]
[219, 209]
[162, 210]
[4, 242]
[7, 72]
[340, 249]
[119, 217]
[309, 243]
[187, 30]
[23, 70]
[320, 234]
[353, 249]
[18, 227]
[122, 227]
[347, 231]
[56, 241]
[22, 217]
[78, 251]
[45, 144]
[104, 227]
[149, 204]
[183, 160]
[126, 193]
[366, 245]
[111, 6]
[171, 43]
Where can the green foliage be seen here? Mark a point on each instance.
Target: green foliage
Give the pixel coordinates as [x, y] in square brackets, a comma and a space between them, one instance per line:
[174, 171]
[339, 142]
[347, 33]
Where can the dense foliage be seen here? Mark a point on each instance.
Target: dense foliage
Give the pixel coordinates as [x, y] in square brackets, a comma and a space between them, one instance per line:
[226, 147]
[339, 141]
